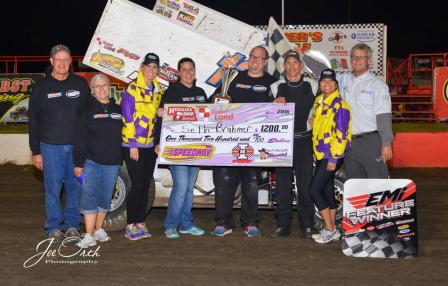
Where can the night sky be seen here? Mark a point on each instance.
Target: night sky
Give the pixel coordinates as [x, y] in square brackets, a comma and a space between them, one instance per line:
[32, 27]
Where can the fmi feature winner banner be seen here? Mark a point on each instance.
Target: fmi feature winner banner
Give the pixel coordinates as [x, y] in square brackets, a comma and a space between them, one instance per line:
[380, 218]
[249, 134]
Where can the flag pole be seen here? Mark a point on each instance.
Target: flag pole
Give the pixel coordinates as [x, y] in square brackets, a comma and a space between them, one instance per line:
[283, 13]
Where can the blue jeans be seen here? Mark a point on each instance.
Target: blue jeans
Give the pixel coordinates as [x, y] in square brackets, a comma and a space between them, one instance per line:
[58, 170]
[181, 197]
[98, 186]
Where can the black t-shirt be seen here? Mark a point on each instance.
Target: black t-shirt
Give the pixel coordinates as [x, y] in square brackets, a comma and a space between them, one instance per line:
[55, 107]
[301, 94]
[179, 93]
[98, 135]
[247, 89]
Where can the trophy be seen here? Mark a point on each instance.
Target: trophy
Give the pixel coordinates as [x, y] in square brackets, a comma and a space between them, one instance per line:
[228, 74]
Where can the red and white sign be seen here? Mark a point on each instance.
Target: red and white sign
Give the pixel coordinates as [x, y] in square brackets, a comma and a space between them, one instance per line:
[440, 93]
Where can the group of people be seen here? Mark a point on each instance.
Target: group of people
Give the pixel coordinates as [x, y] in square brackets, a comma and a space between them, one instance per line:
[80, 141]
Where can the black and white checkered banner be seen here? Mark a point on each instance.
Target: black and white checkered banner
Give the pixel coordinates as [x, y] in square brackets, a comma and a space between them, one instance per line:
[278, 45]
[380, 218]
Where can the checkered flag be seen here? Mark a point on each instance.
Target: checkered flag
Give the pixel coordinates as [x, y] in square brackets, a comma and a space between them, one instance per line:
[278, 44]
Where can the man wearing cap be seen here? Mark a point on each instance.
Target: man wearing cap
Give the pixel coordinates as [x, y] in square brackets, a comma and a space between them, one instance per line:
[55, 107]
[294, 88]
[139, 103]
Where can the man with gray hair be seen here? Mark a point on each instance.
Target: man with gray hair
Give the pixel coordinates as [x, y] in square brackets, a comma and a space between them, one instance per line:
[56, 105]
[369, 99]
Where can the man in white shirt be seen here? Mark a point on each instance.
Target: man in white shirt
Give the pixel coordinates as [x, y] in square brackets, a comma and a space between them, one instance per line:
[370, 102]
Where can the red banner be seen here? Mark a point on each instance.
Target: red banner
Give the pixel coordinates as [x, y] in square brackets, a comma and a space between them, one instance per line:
[440, 93]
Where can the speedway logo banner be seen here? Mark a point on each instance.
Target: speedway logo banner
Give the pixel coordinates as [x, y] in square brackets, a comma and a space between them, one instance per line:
[250, 134]
[380, 218]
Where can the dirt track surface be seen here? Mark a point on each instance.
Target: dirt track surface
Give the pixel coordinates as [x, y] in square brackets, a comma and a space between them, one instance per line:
[215, 261]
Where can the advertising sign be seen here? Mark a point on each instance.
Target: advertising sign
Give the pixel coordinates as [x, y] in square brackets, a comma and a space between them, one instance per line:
[380, 218]
[15, 90]
[440, 95]
[250, 134]
[335, 42]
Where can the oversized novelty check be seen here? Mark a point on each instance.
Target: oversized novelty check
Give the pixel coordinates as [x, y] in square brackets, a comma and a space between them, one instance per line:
[238, 134]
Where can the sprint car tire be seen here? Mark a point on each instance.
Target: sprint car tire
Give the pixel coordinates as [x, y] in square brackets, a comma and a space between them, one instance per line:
[116, 218]
[339, 180]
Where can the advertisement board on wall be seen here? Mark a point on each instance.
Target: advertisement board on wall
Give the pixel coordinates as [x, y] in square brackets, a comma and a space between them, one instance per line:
[335, 42]
[15, 91]
[440, 93]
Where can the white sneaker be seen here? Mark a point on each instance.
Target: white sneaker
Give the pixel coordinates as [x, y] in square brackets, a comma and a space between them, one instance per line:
[87, 241]
[327, 236]
[101, 235]
[317, 235]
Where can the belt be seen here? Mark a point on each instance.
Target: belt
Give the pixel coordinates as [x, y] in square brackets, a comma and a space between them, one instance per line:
[302, 134]
[365, 134]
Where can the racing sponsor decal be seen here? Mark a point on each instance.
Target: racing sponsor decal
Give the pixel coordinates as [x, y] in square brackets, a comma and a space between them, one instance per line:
[224, 116]
[107, 61]
[364, 36]
[188, 152]
[190, 8]
[185, 18]
[242, 152]
[403, 226]
[173, 4]
[182, 113]
[72, 93]
[115, 116]
[54, 94]
[341, 64]
[168, 73]
[398, 222]
[376, 206]
[259, 88]
[337, 37]
[164, 11]
[338, 51]
[203, 113]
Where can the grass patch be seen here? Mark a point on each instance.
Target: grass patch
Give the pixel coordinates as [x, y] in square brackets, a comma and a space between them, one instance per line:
[14, 128]
[420, 127]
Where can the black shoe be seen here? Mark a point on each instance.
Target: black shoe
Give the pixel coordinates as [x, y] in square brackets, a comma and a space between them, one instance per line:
[57, 236]
[280, 232]
[307, 232]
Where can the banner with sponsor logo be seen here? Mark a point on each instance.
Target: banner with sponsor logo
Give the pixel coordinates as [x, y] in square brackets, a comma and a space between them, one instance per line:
[250, 134]
[335, 42]
[440, 93]
[118, 51]
[380, 218]
[212, 24]
[15, 90]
